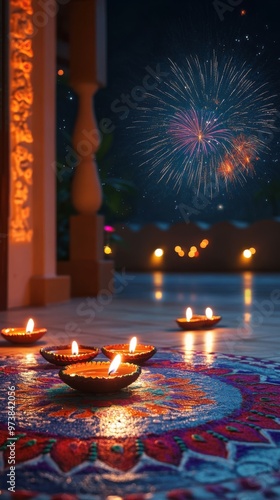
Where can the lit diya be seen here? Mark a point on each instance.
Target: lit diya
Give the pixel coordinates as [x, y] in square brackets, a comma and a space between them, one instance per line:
[130, 353]
[23, 336]
[196, 322]
[100, 376]
[68, 354]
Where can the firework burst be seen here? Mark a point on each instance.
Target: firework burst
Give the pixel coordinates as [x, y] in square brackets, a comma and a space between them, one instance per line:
[208, 122]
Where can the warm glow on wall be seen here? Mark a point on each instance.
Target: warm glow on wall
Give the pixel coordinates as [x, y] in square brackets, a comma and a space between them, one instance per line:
[21, 91]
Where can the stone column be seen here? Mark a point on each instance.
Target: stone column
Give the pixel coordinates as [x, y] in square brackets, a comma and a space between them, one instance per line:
[89, 271]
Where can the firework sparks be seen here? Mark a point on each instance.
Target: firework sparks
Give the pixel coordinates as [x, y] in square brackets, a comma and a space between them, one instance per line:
[198, 132]
[207, 124]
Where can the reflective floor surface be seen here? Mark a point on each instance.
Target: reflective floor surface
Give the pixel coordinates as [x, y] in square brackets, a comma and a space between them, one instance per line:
[147, 305]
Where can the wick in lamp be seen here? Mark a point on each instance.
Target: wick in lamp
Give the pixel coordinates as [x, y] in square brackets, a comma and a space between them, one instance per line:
[29, 335]
[63, 355]
[130, 353]
[198, 322]
[100, 376]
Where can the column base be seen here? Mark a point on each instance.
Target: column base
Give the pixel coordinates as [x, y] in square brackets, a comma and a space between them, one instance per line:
[88, 277]
[47, 289]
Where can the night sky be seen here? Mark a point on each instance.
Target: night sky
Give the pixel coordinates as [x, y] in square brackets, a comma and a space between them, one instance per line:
[143, 37]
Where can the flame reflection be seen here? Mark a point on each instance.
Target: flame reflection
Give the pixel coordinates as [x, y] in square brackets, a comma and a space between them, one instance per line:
[188, 341]
[209, 340]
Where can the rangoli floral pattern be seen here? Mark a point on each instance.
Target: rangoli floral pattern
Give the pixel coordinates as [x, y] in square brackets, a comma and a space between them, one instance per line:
[221, 457]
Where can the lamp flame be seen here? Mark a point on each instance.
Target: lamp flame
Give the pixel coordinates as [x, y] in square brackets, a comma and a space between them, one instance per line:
[30, 326]
[133, 344]
[189, 314]
[208, 313]
[115, 364]
[75, 348]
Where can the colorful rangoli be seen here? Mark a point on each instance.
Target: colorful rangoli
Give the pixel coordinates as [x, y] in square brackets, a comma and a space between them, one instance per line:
[192, 426]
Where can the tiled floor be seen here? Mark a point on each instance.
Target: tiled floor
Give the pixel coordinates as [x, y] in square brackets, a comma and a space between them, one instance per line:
[147, 305]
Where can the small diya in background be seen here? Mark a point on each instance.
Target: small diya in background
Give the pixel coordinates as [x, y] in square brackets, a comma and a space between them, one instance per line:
[100, 376]
[130, 353]
[63, 355]
[196, 322]
[23, 336]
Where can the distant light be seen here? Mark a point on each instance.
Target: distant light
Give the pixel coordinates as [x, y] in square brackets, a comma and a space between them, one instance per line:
[181, 253]
[204, 243]
[107, 250]
[247, 253]
[220, 207]
[252, 250]
[158, 295]
[191, 254]
[243, 12]
[196, 254]
[177, 249]
[158, 252]
[193, 249]
[60, 72]
[109, 229]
